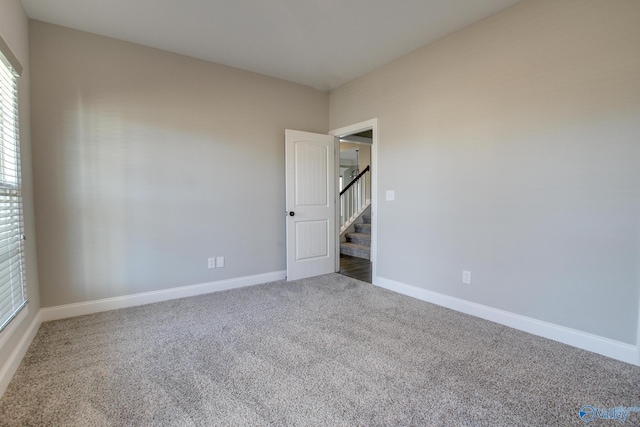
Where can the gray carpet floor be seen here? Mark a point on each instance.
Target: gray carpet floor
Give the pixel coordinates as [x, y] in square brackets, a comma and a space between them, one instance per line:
[325, 351]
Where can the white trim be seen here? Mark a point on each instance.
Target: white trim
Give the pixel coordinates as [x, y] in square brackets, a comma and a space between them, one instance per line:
[351, 129]
[13, 362]
[13, 325]
[96, 306]
[586, 341]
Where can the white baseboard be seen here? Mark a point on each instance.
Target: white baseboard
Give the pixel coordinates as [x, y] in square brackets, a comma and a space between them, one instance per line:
[96, 306]
[607, 347]
[11, 365]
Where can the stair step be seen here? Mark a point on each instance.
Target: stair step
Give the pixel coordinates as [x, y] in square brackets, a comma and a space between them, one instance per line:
[359, 238]
[363, 228]
[355, 250]
[366, 218]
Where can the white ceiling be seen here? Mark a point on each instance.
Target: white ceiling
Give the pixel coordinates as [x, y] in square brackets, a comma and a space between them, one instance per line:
[319, 43]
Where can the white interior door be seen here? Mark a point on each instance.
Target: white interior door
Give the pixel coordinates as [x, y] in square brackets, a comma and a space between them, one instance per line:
[310, 202]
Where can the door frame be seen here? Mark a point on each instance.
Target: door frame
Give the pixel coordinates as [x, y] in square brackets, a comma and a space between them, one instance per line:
[371, 124]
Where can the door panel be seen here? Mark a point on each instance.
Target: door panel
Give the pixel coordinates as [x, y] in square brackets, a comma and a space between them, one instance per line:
[312, 239]
[310, 196]
[311, 174]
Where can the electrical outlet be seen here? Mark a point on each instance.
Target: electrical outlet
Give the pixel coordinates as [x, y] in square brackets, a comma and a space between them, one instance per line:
[466, 277]
[220, 262]
[211, 263]
[390, 195]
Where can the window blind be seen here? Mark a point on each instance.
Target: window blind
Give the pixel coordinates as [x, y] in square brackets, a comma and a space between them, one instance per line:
[12, 292]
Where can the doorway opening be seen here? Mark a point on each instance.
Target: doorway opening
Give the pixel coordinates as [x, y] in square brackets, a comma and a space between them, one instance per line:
[356, 201]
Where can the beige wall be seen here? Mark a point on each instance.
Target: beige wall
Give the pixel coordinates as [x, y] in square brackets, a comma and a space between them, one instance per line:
[148, 163]
[14, 31]
[513, 147]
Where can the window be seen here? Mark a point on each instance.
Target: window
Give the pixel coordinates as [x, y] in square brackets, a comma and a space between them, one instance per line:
[12, 290]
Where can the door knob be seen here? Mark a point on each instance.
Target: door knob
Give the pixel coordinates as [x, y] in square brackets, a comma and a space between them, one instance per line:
[292, 213]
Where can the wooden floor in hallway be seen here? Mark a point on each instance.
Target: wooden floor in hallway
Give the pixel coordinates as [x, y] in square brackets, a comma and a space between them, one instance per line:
[355, 267]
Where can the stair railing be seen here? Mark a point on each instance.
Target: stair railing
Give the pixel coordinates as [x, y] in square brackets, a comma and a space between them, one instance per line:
[353, 199]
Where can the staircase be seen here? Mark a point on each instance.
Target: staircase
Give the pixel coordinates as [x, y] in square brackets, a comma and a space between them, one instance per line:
[358, 244]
